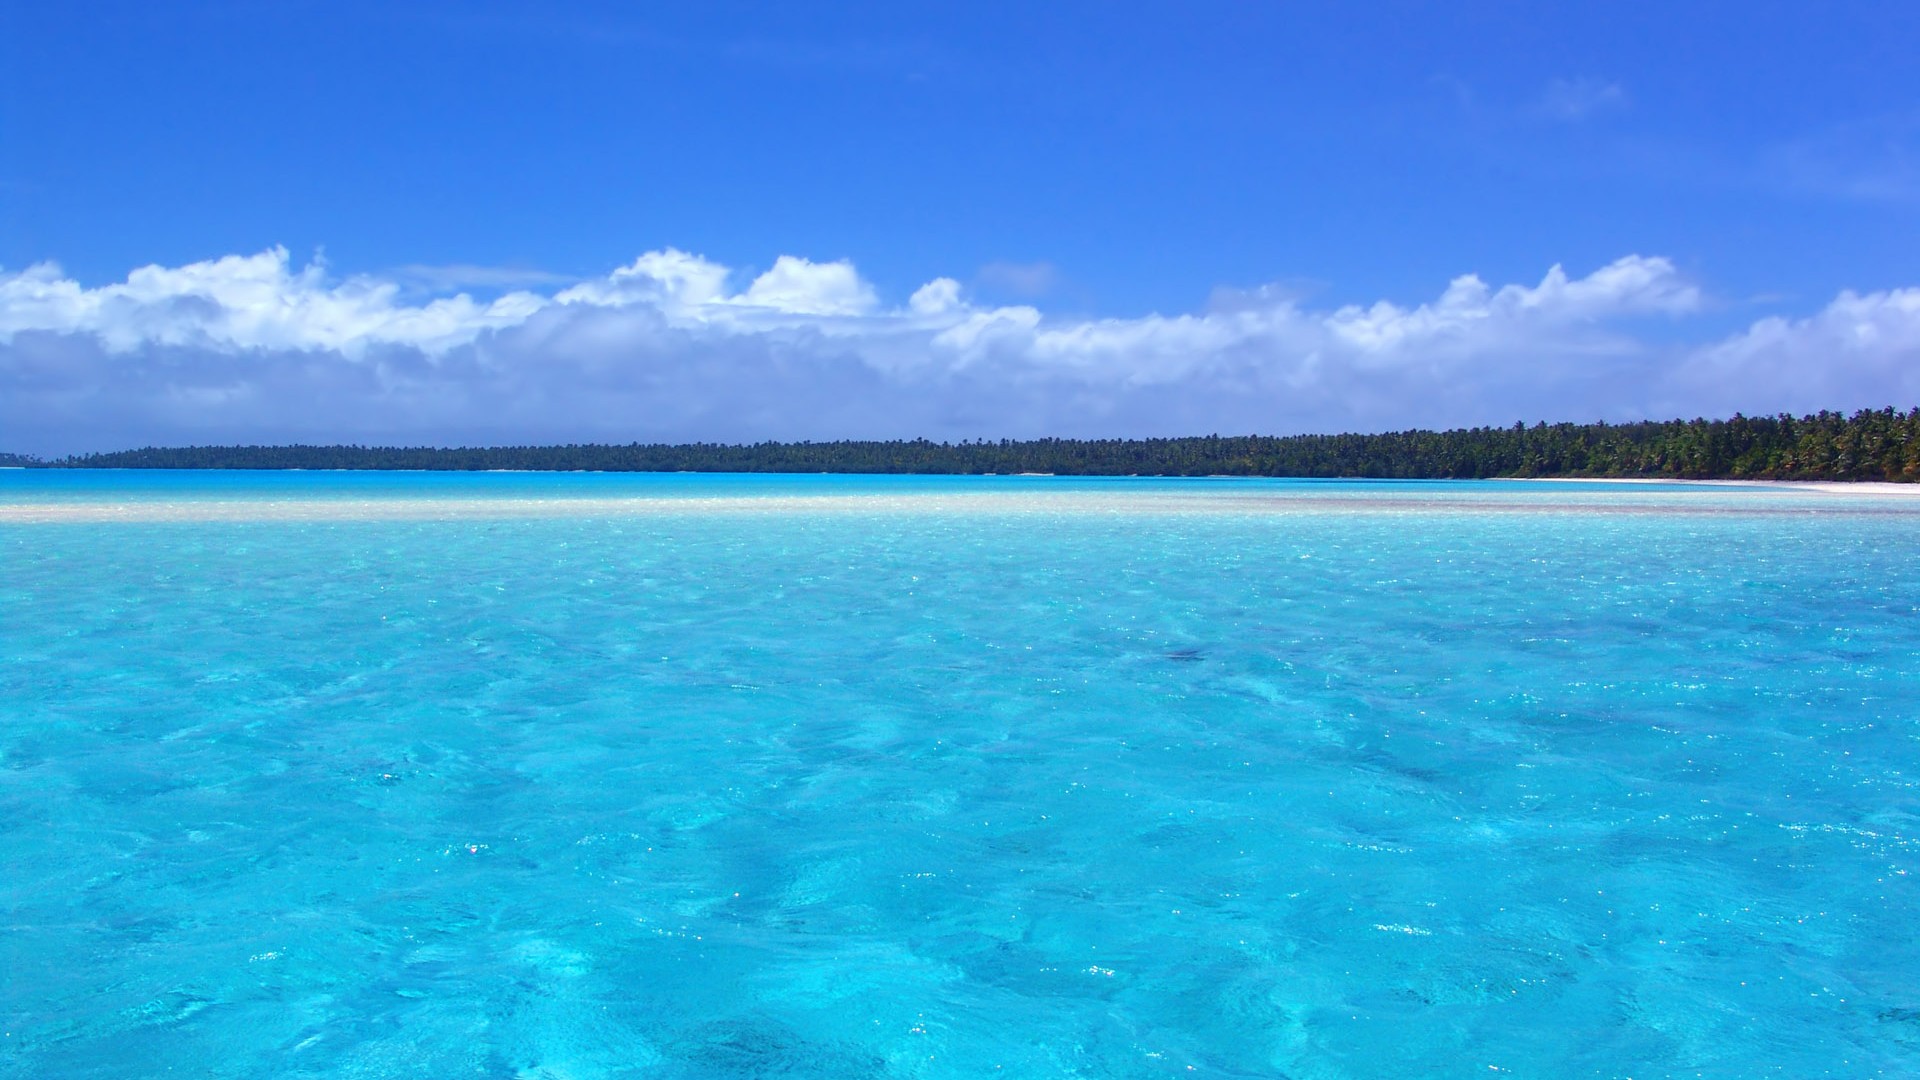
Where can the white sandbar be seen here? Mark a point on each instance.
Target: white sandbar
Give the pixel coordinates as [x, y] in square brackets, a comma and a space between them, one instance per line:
[1201, 500]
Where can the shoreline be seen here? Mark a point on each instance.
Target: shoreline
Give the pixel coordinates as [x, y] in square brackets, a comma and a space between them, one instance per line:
[1563, 498]
[1826, 487]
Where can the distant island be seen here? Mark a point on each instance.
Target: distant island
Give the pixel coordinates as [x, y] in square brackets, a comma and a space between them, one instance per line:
[1868, 445]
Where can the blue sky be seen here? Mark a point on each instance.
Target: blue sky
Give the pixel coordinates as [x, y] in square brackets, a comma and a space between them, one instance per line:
[1095, 164]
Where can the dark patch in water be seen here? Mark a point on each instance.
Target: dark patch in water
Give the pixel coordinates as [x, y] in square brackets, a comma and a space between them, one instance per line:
[1906, 1023]
[745, 1048]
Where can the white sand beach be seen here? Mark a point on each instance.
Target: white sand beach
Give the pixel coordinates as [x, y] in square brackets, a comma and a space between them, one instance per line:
[1553, 496]
[1827, 487]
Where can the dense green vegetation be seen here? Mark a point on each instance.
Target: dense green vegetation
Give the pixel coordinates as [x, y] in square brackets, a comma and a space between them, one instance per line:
[1869, 445]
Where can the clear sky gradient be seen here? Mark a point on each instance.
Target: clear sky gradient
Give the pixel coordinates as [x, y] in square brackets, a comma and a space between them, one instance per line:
[1158, 213]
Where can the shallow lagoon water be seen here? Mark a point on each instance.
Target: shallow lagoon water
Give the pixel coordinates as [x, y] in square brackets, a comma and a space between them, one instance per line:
[694, 776]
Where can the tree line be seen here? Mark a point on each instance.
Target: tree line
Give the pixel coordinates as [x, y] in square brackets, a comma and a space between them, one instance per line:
[1879, 444]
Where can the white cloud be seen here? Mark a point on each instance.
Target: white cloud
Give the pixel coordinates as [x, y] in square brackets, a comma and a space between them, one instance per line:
[936, 297]
[667, 347]
[1860, 349]
[247, 302]
[672, 280]
[797, 287]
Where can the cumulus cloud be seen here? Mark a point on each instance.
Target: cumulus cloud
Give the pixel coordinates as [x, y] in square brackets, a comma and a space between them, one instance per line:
[674, 346]
[1861, 349]
[798, 287]
[246, 302]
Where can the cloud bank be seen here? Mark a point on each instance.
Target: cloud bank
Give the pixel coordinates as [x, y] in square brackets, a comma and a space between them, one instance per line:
[675, 347]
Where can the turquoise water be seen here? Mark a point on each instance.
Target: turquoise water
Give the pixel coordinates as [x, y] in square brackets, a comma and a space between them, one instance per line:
[694, 776]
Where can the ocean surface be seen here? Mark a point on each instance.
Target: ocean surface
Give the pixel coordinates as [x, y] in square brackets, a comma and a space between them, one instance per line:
[499, 775]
